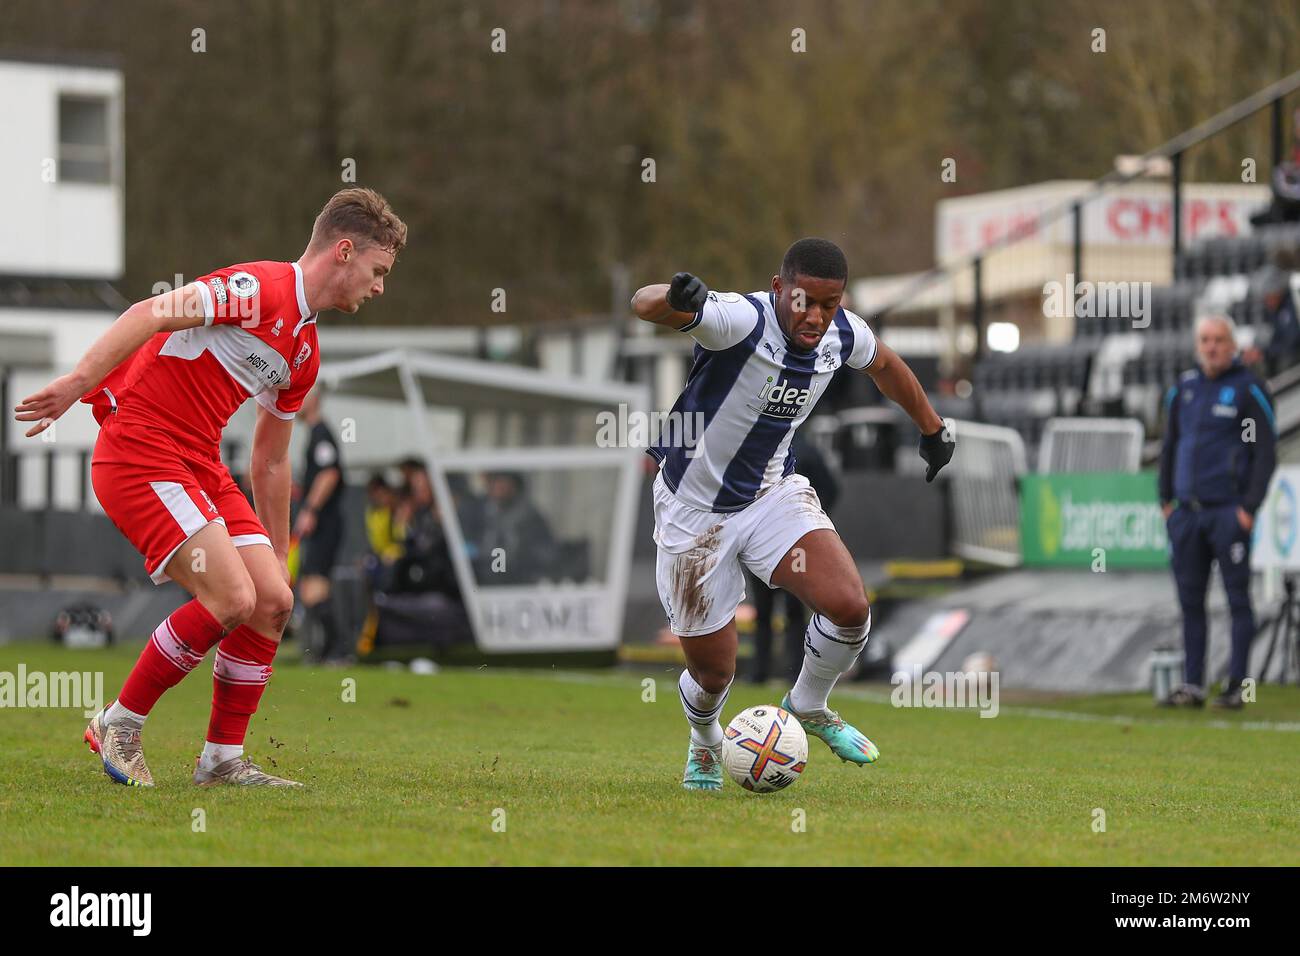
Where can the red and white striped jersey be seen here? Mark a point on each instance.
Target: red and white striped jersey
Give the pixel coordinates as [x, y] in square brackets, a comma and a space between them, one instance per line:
[258, 339]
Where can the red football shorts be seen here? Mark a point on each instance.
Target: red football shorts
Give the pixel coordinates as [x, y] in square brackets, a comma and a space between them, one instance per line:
[160, 494]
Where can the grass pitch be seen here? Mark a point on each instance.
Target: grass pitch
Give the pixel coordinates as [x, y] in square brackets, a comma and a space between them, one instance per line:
[580, 770]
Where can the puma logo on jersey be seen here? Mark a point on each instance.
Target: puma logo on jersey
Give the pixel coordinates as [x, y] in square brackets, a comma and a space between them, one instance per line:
[771, 348]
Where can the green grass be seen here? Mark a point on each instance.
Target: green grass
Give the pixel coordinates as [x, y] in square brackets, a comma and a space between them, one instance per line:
[587, 773]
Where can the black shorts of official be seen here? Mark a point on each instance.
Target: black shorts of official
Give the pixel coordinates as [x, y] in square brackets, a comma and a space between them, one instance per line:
[320, 550]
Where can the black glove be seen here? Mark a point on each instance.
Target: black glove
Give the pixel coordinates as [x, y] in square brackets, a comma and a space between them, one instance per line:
[937, 451]
[686, 293]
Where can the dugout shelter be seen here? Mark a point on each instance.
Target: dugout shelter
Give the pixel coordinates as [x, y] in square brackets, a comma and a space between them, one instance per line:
[537, 504]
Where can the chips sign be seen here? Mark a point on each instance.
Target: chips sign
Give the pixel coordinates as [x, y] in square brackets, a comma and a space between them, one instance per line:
[1080, 520]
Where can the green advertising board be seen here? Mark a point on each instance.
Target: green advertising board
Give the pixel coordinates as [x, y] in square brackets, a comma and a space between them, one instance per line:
[1064, 519]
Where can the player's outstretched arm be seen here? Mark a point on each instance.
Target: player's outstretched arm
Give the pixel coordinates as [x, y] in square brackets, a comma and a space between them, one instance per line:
[181, 309]
[270, 475]
[898, 383]
[673, 304]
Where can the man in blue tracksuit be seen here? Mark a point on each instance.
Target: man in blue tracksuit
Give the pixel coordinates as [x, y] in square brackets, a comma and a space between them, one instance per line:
[1218, 455]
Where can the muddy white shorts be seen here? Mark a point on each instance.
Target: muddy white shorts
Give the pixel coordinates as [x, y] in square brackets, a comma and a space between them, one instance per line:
[698, 570]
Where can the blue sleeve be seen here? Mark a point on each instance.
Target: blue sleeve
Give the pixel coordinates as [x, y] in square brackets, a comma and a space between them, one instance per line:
[1263, 457]
[1166, 480]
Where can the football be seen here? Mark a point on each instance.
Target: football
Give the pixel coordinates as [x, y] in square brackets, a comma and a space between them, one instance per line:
[764, 748]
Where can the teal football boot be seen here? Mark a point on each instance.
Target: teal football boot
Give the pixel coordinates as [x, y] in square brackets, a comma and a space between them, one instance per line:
[846, 741]
[703, 768]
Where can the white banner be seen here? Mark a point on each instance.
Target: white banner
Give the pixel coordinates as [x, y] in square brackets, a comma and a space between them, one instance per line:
[1275, 541]
[1138, 214]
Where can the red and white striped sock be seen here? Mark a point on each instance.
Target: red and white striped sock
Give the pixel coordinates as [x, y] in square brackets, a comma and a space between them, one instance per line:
[239, 675]
[176, 647]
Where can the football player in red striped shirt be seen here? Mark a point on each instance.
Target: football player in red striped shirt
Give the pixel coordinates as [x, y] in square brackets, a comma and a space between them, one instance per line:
[163, 382]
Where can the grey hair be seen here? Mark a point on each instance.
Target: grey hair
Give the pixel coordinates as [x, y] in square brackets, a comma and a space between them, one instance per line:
[1217, 317]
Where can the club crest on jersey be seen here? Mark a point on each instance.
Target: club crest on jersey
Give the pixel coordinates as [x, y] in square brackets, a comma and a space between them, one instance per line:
[303, 354]
[828, 356]
[243, 285]
[218, 290]
[778, 399]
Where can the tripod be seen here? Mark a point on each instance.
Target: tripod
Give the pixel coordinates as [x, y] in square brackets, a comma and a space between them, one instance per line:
[1286, 626]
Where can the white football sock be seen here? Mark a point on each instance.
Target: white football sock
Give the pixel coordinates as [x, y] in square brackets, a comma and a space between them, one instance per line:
[702, 710]
[116, 712]
[214, 754]
[828, 651]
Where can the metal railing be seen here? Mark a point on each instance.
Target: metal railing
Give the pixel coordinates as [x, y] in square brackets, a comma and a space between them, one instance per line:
[983, 483]
[1271, 97]
[1090, 444]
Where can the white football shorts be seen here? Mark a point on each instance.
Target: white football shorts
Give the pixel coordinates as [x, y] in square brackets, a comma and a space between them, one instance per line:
[698, 569]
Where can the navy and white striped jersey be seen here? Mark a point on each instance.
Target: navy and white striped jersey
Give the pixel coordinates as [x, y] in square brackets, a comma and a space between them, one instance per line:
[748, 390]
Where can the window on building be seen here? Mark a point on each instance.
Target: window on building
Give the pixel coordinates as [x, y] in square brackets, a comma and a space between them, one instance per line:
[85, 153]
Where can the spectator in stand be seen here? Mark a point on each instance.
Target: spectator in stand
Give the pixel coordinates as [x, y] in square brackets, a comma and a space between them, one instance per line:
[1283, 346]
[1285, 206]
[1218, 454]
[384, 532]
[425, 564]
[319, 529]
[812, 464]
[470, 510]
[517, 546]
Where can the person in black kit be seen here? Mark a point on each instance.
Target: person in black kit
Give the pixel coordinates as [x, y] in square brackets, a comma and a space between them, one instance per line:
[1218, 455]
[319, 529]
[812, 464]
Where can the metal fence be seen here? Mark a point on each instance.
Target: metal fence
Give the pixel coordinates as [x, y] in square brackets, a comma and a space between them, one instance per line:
[1090, 444]
[985, 494]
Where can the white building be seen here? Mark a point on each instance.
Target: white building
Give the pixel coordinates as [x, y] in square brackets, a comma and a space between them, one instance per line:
[62, 181]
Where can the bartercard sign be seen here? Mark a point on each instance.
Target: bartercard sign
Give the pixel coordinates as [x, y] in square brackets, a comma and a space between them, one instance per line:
[1092, 520]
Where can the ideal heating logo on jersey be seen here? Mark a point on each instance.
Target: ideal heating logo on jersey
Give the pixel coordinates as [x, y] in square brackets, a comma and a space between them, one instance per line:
[779, 399]
[73, 909]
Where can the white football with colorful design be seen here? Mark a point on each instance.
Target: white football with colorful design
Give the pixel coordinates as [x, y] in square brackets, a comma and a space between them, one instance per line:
[764, 748]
